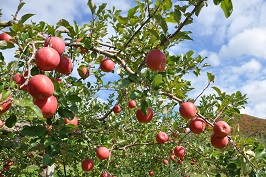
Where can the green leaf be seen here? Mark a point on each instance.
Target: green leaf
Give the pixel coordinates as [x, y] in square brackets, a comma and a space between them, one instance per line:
[144, 107]
[27, 103]
[132, 11]
[199, 9]
[46, 159]
[217, 90]
[210, 77]
[162, 23]
[65, 24]
[135, 94]
[25, 17]
[158, 79]
[217, 2]
[92, 6]
[177, 15]
[11, 121]
[101, 7]
[74, 98]
[227, 7]
[21, 5]
[34, 131]
[155, 33]
[122, 83]
[167, 4]
[6, 45]
[65, 113]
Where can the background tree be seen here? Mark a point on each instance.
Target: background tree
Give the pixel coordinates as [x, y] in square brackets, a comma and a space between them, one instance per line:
[55, 119]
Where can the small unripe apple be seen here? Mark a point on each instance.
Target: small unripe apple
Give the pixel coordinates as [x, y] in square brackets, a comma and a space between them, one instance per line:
[221, 129]
[175, 134]
[151, 173]
[197, 125]
[20, 80]
[165, 161]
[219, 143]
[40, 86]
[179, 151]
[83, 72]
[162, 137]
[187, 110]
[107, 65]
[172, 157]
[65, 65]
[116, 109]
[47, 58]
[74, 121]
[156, 60]
[103, 153]
[132, 104]
[56, 43]
[105, 174]
[87, 165]
[142, 118]
[47, 106]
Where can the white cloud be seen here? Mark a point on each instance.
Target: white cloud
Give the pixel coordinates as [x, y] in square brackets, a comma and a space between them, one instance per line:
[249, 69]
[212, 59]
[249, 42]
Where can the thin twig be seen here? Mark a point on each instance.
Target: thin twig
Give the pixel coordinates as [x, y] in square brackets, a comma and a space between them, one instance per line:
[182, 24]
[171, 96]
[202, 91]
[138, 30]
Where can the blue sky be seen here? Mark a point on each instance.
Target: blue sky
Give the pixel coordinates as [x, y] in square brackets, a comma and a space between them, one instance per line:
[235, 47]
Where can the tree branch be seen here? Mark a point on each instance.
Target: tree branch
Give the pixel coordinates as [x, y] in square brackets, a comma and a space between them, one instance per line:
[182, 24]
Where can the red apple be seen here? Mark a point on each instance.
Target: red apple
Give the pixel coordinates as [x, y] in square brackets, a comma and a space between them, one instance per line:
[87, 165]
[219, 143]
[56, 43]
[1, 123]
[221, 129]
[132, 104]
[179, 151]
[5, 37]
[103, 153]
[165, 161]
[161, 137]
[142, 118]
[151, 173]
[5, 104]
[83, 72]
[116, 109]
[172, 157]
[30, 155]
[10, 163]
[172, 152]
[20, 80]
[48, 106]
[65, 65]
[197, 125]
[58, 80]
[192, 162]
[47, 58]
[41, 153]
[107, 65]
[41, 87]
[105, 174]
[156, 60]
[187, 110]
[182, 158]
[74, 121]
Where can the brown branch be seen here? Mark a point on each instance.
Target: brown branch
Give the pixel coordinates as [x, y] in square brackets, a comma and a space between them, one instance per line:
[182, 24]
[171, 96]
[16, 13]
[8, 23]
[202, 91]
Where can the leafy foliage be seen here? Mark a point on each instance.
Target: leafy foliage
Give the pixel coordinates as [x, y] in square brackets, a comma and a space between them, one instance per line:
[134, 151]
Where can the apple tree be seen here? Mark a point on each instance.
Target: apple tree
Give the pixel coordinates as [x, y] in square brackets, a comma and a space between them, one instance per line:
[79, 101]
